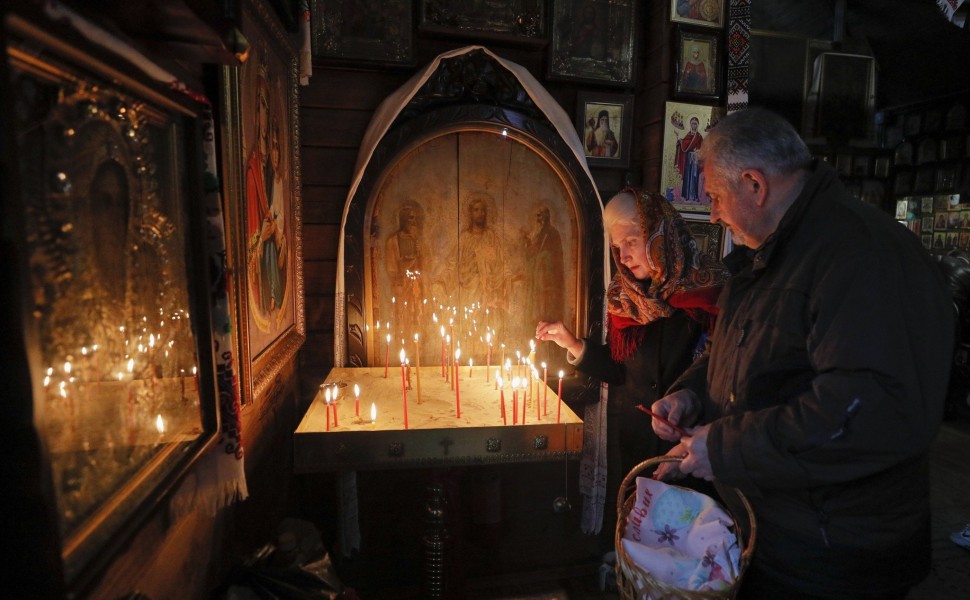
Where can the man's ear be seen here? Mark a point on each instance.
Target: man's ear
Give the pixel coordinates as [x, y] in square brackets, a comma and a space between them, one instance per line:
[755, 183]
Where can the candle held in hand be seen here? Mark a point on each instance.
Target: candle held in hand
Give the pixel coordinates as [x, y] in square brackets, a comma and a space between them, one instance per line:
[663, 420]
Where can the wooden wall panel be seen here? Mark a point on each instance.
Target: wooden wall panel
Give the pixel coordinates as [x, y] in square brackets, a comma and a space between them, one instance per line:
[323, 203]
[326, 165]
[344, 128]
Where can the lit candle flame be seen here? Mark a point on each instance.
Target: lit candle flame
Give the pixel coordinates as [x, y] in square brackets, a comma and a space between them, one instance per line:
[560, 374]
[356, 391]
[67, 367]
[160, 424]
[402, 356]
[326, 395]
[457, 354]
[335, 388]
[131, 365]
[498, 379]
[373, 412]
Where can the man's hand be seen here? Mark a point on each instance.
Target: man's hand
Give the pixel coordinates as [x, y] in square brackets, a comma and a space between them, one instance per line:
[680, 408]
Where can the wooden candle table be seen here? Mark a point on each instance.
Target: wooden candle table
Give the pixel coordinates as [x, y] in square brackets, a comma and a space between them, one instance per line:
[435, 435]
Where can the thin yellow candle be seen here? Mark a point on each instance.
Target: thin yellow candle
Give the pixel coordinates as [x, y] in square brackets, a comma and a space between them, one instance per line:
[417, 365]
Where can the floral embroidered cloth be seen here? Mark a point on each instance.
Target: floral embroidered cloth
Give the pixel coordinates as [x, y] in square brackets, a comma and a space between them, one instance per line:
[681, 537]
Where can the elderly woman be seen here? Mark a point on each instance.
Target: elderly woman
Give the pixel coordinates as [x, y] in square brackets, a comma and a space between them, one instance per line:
[661, 304]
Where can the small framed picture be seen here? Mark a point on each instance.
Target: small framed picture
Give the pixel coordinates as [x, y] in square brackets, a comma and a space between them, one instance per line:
[901, 209]
[697, 66]
[712, 239]
[605, 122]
[927, 224]
[926, 206]
[882, 166]
[706, 13]
[344, 31]
[939, 240]
[927, 240]
[592, 42]
[681, 178]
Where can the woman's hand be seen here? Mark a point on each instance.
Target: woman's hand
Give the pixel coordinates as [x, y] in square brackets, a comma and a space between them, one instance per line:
[557, 332]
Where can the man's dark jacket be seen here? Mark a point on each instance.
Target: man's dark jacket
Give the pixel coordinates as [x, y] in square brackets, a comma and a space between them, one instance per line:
[824, 386]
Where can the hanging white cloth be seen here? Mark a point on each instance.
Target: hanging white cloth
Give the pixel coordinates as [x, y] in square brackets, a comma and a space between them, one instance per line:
[593, 468]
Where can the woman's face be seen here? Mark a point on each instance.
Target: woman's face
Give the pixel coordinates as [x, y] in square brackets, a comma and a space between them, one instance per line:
[632, 250]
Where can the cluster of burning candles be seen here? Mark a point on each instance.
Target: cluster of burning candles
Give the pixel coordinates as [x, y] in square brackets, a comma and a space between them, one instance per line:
[144, 358]
[522, 378]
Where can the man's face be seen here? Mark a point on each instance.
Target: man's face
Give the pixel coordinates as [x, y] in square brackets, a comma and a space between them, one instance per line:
[478, 214]
[727, 208]
[542, 218]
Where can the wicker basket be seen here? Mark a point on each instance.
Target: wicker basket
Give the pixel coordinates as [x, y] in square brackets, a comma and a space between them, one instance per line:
[633, 582]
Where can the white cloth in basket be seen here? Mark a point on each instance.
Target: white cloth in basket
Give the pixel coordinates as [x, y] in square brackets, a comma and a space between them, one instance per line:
[681, 537]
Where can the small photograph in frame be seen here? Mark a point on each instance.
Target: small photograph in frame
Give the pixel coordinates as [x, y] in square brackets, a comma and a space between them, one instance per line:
[605, 122]
[681, 179]
[512, 21]
[345, 31]
[712, 239]
[945, 179]
[697, 66]
[901, 209]
[706, 13]
[953, 219]
[882, 167]
[593, 41]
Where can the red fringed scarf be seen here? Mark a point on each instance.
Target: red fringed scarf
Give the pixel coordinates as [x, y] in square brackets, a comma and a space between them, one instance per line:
[626, 334]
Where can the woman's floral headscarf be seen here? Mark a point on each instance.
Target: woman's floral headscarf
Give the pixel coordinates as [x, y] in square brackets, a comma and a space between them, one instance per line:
[688, 279]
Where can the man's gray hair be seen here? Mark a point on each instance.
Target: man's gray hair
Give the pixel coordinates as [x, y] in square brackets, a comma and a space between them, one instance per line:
[753, 138]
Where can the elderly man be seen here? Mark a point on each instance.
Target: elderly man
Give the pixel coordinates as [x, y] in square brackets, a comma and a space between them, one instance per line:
[827, 374]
